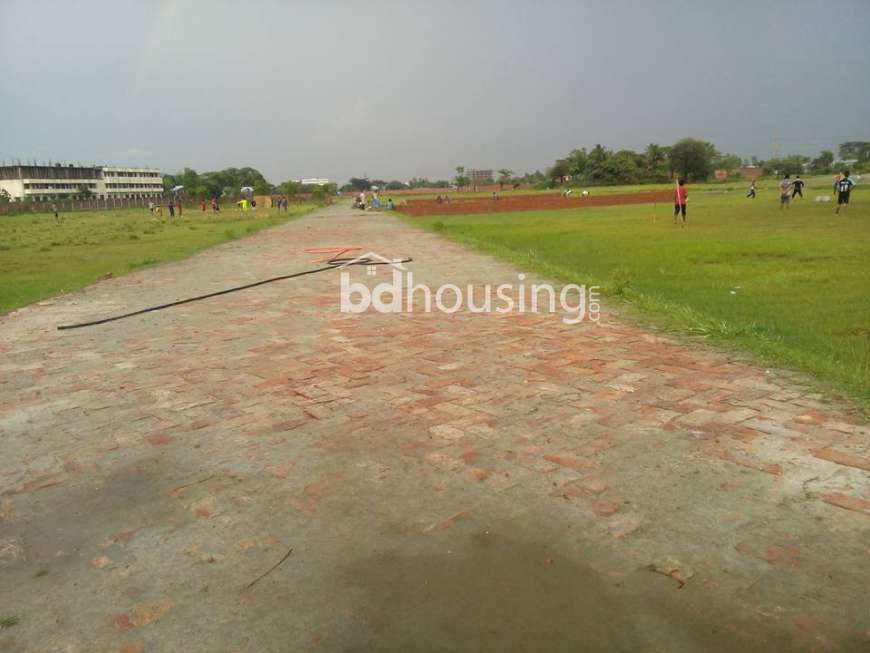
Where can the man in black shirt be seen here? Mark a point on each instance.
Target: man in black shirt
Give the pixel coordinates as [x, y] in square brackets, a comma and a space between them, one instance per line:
[797, 187]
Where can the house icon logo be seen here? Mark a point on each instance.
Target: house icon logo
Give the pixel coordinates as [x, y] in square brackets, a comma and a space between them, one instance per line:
[373, 260]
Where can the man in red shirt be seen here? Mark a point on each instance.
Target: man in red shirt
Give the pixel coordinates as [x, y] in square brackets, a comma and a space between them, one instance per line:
[681, 196]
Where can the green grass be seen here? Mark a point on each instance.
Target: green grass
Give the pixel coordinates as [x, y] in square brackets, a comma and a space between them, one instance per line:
[39, 258]
[8, 622]
[820, 183]
[791, 287]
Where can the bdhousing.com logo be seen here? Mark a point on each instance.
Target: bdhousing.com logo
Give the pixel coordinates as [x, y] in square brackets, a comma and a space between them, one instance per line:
[576, 302]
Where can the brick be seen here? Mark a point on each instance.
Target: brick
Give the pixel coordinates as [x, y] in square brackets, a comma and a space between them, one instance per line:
[843, 458]
[848, 502]
[567, 461]
[593, 484]
[604, 508]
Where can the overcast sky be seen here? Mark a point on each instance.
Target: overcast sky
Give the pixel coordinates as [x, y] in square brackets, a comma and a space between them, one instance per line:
[401, 89]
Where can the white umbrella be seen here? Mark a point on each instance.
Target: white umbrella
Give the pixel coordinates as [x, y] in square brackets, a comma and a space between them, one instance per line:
[247, 189]
[175, 189]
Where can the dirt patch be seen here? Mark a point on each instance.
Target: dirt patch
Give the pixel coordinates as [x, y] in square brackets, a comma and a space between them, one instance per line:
[542, 202]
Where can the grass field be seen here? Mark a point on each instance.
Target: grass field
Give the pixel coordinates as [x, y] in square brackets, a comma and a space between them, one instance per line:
[817, 184]
[792, 287]
[39, 258]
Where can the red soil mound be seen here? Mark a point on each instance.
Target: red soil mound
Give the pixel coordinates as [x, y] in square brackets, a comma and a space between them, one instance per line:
[541, 202]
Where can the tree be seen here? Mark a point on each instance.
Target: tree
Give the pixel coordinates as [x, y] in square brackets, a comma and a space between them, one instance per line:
[823, 163]
[460, 179]
[727, 162]
[623, 167]
[263, 187]
[226, 182]
[691, 159]
[5, 197]
[395, 185]
[595, 163]
[532, 178]
[655, 161]
[577, 161]
[859, 150]
[504, 177]
[85, 193]
[559, 172]
[360, 183]
[189, 178]
[790, 165]
[288, 188]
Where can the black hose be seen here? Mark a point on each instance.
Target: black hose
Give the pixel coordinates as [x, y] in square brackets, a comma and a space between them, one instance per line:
[331, 264]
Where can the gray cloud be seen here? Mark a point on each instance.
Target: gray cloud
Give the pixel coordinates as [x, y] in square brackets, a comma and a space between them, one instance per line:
[395, 89]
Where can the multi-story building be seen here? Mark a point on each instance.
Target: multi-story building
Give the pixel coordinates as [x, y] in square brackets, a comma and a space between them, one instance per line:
[132, 182]
[47, 182]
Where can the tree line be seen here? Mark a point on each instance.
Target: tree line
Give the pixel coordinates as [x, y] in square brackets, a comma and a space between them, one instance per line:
[691, 158]
[228, 182]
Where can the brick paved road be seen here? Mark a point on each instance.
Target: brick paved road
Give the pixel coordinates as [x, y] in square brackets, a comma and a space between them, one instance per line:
[445, 482]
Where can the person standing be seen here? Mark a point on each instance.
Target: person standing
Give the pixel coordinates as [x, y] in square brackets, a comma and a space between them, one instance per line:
[178, 206]
[215, 208]
[785, 193]
[797, 187]
[202, 204]
[681, 197]
[56, 214]
[752, 190]
[843, 187]
[171, 206]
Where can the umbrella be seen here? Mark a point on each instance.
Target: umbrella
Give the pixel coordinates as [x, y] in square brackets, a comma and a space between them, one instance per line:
[175, 189]
[247, 189]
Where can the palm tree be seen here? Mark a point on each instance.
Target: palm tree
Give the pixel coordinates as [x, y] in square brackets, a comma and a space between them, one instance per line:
[504, 176]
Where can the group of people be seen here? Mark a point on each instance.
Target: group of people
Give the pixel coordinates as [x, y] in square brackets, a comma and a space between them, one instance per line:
[172, 205]
[790, 188]
[362, 203]
[280, 203]
[215, 207]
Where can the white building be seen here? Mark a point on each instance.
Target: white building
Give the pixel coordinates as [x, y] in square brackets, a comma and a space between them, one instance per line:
[47, 182]
[312, 181]
[132, 182]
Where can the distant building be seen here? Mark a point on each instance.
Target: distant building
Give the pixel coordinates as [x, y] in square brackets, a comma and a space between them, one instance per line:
[132, 182]
[750, 171]
[479, 177]
[312, 181]
[47, 182]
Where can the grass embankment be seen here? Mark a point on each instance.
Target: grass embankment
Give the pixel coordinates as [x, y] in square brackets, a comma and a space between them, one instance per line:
[792, 287]
[39, 258]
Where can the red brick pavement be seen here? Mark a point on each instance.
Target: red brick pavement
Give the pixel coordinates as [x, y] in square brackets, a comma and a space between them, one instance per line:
[151, 467]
